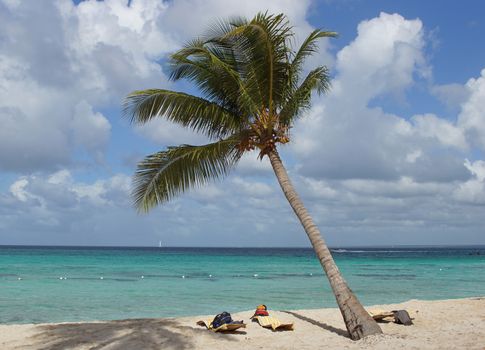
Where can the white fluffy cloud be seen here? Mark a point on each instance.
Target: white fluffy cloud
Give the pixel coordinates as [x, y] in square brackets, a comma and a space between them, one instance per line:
[58, 64]
[166, 133]
[195, 13]
[239, 210]
[473, 190]
[431, 126]
[381, 60]
[452, 95]
[472, 116]
[58, 209]
[362, 167]
[101, 212]
[56, 56]
[344, 138]
[84, 122]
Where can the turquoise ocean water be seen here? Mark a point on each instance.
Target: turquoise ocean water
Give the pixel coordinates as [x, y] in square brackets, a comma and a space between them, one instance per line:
[60, 284]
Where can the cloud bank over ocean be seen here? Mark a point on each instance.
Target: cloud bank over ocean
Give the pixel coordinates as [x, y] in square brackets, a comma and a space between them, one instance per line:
[388, 156]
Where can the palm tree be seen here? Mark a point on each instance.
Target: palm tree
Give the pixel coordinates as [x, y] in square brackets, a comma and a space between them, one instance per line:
[251, 94]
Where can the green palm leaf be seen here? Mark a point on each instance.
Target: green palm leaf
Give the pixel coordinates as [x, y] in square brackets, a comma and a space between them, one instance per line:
[163, 175]
[262, 43]
[307, 48]
[190, 111]
[319, 80]
[215, 68]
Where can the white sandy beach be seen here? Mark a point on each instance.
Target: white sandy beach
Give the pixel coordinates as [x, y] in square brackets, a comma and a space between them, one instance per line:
[444, 324]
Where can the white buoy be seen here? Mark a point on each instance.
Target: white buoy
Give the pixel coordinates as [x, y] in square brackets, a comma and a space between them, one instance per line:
[311, 274]
[441, 269]
[210, 276]
[142, 276]
[255, 275]
[101, 278]
[20, 278]
[183, 276]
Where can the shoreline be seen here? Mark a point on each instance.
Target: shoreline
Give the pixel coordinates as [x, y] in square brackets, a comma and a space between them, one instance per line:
[179, 317]
[438, 324]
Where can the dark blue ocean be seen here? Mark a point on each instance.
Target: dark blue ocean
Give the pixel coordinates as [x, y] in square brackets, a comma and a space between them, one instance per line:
[58, 284]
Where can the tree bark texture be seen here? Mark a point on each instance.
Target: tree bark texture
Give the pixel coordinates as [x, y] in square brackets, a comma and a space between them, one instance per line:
[358, 322]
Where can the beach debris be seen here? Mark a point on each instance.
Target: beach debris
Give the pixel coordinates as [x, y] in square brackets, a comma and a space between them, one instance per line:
[402, 317]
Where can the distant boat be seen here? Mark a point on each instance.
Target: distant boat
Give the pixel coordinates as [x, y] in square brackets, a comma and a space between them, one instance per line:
[339, 250]
[159, 244]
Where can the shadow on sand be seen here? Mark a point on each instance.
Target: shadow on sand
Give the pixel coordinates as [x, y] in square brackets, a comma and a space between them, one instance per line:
[124, 334]
[325, 326]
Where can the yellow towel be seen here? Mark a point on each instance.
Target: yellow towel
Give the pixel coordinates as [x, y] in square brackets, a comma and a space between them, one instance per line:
[273, 323]
[223, 328]
[380, 314]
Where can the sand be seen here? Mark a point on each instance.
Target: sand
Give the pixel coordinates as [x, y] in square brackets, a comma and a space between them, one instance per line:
[444, 324]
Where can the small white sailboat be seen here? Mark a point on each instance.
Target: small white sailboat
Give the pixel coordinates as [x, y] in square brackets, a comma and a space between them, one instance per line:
[159, 244]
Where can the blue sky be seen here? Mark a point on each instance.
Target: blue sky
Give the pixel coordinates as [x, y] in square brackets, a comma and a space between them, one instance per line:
[394, 154]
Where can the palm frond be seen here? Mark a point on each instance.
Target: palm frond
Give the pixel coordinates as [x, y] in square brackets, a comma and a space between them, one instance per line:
[222, 26]
[296, 59]
[163, 175]
[187, 110]
[308, 48]
[263, 44]
[214, 67]
[317, 80]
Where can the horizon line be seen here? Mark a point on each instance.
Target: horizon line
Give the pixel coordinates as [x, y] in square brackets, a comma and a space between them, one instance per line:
[248, 247]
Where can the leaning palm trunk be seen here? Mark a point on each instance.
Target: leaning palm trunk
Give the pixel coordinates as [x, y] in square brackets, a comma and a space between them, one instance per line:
[358, 322]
